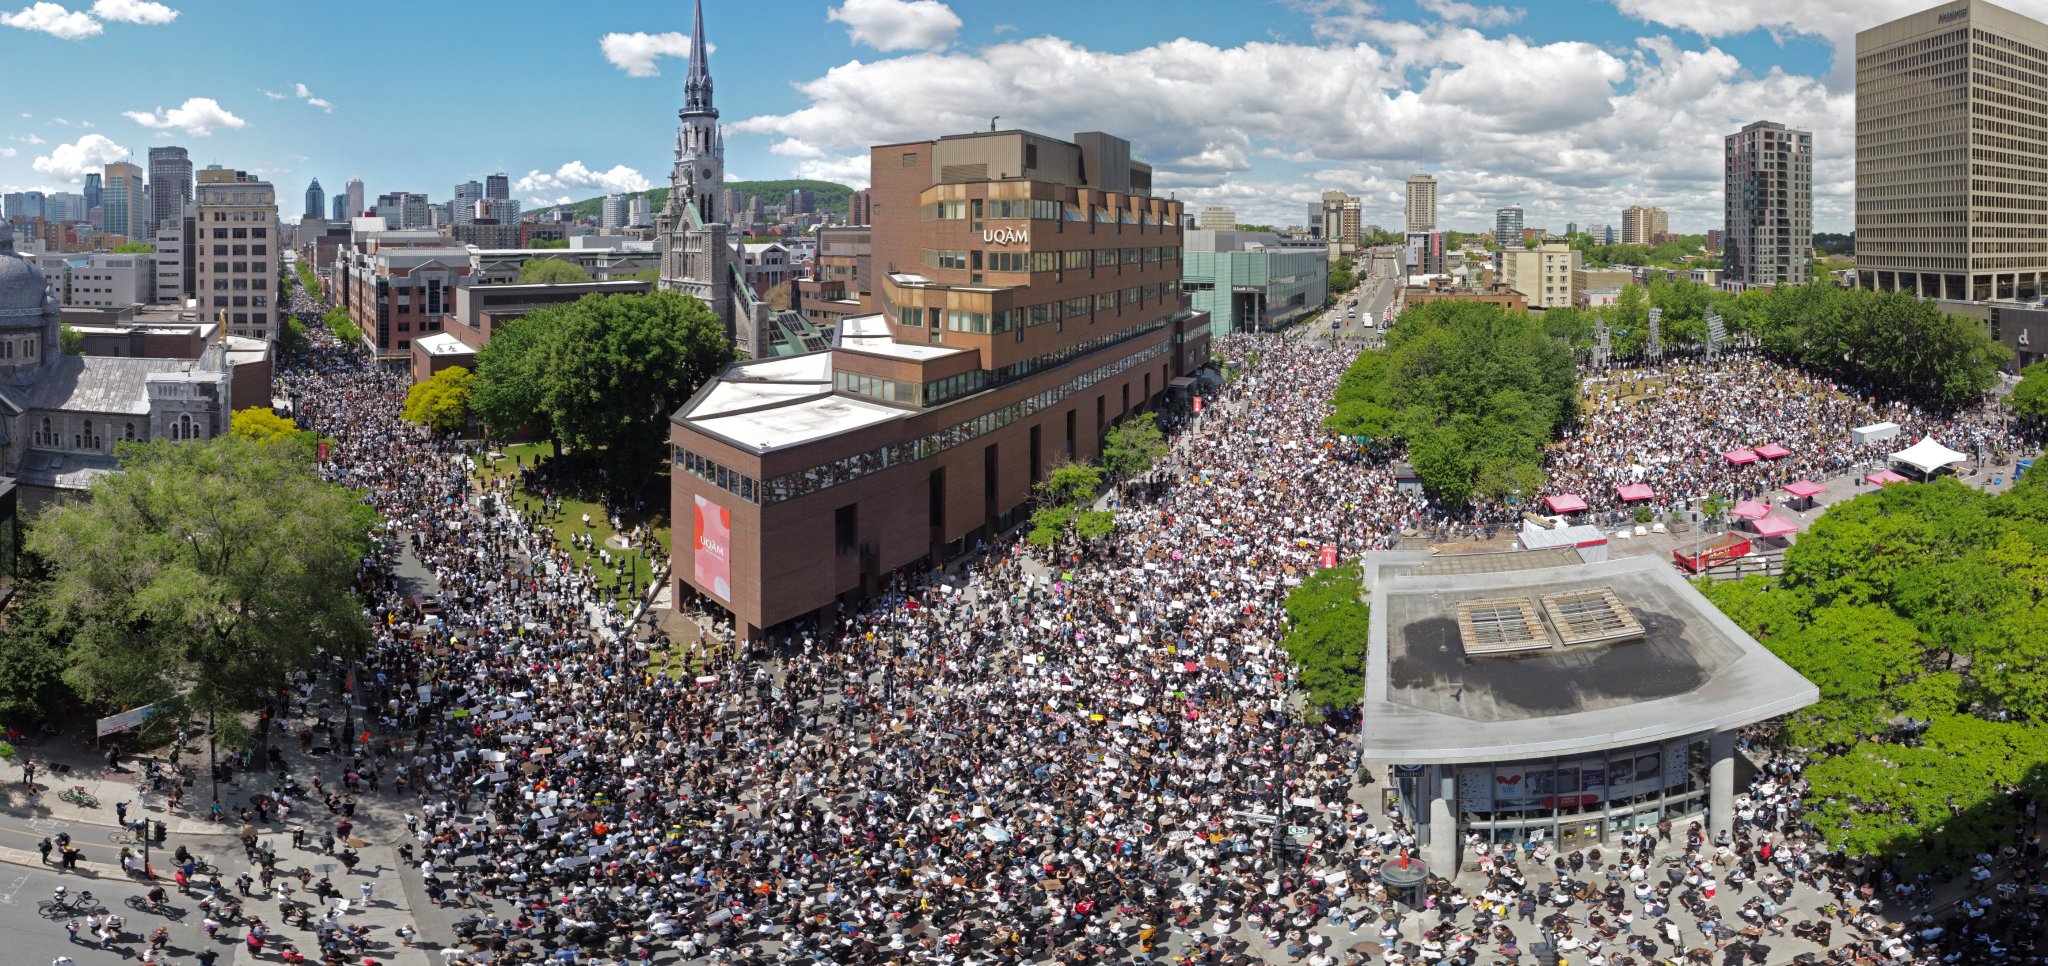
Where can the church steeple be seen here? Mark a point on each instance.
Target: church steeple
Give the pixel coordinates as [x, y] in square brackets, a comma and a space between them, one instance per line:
[697, 89]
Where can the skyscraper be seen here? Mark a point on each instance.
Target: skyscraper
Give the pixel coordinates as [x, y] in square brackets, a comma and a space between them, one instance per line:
[355, 196]
[122, 199]
[1948, 154]
[1768, 181]
[497, 187]
[1421, 210]
[1507, 228]
[615, 211]
[463, 207]
[95, 183]
[170, 189]
[1643, 226]
[316, 200]
[341, 212]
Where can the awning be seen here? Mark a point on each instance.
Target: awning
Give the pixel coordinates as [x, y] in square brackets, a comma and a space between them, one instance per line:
[1634, 492]
[1885, 478]
[1774, 527]
[1564, 502]
[1928, 455]
[1181, 382]
[1740, 457]
[1772, 451]
[1806, 489]
[1750, 510]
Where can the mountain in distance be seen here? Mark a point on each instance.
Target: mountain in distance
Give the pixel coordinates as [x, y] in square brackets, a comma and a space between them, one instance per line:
[831, 195]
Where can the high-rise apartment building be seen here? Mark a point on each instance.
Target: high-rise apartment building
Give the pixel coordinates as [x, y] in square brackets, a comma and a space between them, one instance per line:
[1029, 299]
[1216, 219]
[122, 199]
[639, 212]
[463, 206]
[235, 252]
[404, 210]
[355, 197]
[1421, 212]
[1643, 226]
[316, 200]
[1507, 228]
[170, 188]
[1949, 146]
[861, 207]
[1543, 275]
[613, 212]
[1769, 204]
[1338, 219]
[498, 187]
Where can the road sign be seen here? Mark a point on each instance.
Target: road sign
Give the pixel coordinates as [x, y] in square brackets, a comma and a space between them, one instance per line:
[1298, 831]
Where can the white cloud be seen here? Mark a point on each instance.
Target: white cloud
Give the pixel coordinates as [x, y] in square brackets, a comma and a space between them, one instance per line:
[32, 139]
[197, 117]
[636, 53]
[575, 176]
[1002, 28]
[8, 152]
[321, 103]
[301, 92]
[134, 11]
[54, 20]
[1480, 15]
[851, 169]
[1588, 132]
[897, 24]
[276, 95]
[69, 163]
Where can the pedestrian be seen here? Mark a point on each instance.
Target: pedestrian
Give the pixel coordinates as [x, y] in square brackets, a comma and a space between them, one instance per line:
[44, 847]
[71, 930]
[366, 889]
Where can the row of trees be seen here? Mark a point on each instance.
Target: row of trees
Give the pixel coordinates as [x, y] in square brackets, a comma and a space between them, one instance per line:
[602, 373]
[1475, 392]
[1918, 611]
[1328, 624]
[198, 577]
[1066, 497]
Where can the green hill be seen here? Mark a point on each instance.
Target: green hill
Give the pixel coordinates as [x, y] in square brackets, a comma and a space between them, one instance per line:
[832, 196]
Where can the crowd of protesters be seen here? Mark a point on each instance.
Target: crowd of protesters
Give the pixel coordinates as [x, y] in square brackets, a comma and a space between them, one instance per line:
[1095, 758]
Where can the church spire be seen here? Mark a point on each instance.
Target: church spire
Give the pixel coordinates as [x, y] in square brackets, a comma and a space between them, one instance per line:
[697, 89]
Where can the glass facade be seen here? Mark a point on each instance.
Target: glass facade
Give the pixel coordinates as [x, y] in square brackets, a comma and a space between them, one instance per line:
[1578, 799]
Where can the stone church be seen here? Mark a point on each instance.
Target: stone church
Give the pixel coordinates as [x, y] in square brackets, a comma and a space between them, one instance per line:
[61, 415]
[698, 254]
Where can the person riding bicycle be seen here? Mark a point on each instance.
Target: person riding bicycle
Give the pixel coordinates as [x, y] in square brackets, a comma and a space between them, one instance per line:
[157, 897]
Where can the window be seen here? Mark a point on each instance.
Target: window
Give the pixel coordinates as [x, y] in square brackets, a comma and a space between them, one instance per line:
[910, 159]
[129, 433]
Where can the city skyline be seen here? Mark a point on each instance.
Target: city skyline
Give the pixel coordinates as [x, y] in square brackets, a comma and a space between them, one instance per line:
[1572, 110]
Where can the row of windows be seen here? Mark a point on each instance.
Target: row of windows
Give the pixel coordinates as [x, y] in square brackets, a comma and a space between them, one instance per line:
[1037, 209]
[239, 232]
[792, 485]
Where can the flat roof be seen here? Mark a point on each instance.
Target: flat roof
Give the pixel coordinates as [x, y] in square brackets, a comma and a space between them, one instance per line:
[1428, 701]
[442, 344]
[870, 334]
[795, 423]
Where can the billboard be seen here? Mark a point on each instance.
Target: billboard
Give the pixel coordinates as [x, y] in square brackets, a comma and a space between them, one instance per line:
[711, 546]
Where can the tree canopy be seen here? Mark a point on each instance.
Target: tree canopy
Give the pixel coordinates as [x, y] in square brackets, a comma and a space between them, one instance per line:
[1132, 447]
[1475, 391]
[603, 372]
[441, 403]
[134, 248]
[1328, 623]
[547, 271]
[2029, 399]
[1064, 500]
[1917, 611]
[206, 572]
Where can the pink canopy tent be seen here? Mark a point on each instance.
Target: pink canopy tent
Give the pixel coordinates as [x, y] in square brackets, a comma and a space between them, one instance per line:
[1774, 527]
[1634, 492]
[1564, 503]
[1740, 457]
[1885, 478]
[1750, 510]
[1772, 451]
[1804, 489]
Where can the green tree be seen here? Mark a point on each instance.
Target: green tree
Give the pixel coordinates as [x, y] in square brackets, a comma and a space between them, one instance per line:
[71, 340]
[134, 248]
[32, 656]
[2029, 399]
[548, 243]
[1064, 500]
[204, 571]
[262, 425]
[508, 392]
[1130, 448]
[441, 403]
[344, 328]
[1328, 625]
[549, 271]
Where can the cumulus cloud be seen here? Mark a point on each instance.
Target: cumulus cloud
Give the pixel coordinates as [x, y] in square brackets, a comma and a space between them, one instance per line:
[69, 163]
[575, 176]
[1834, 21]
[637, 52]
[31, 139]
[897, 24]
[53, 19]
[1590, 130]
[1477, 14]
[8, 152]
[134, 11]
[197, 117]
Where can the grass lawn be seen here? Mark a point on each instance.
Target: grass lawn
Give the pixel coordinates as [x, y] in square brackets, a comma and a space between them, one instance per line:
[570, 524]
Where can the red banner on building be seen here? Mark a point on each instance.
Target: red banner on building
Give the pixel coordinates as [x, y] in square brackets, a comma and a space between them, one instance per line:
[711, 543]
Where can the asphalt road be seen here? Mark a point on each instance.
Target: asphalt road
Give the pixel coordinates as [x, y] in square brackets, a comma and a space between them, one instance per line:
[32, 939]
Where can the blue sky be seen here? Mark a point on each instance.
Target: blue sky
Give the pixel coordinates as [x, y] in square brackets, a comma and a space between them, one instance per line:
[1571, 108]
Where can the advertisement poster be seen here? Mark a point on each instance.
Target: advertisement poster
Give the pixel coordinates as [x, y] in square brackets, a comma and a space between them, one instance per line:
[711, 542]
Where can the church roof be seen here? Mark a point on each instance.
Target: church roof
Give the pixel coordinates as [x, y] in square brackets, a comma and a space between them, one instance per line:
[99, 384]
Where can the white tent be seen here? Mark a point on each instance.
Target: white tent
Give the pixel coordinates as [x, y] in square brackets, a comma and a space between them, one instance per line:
[1927, 456]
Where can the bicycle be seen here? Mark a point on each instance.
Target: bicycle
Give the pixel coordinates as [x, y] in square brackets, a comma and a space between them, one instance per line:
[82, 904]
[164, 909]
[80, 797]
